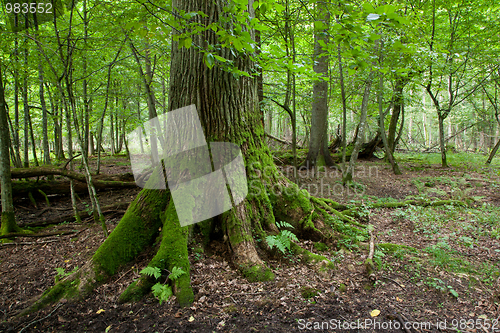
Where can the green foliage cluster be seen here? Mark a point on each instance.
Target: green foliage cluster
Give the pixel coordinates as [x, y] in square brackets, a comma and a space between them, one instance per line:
[282, 240]
[61, 273]
[162, 291]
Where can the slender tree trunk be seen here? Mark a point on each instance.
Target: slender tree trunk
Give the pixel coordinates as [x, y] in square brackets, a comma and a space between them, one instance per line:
[347, 178]
[15, 133]
[381, 113]
[318, 143]
[344, 109]
[442, 146]
[396, 111]
[91, 144]
[26, 163]
[112, 133]
[45, 130]
[8, 221]
[493, 152]
[33, 142]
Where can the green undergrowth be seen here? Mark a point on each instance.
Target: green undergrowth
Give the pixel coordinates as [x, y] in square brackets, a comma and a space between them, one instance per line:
[454, 231]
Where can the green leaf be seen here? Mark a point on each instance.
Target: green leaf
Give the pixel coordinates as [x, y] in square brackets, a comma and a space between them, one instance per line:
[242, 2]
[188, 42]
[219, 58]
[319, 25]
[372, 17]
[176, 273]
[368, 7]
[279, 8]
[389, 9]
[263, 8]
[237, 44]
[151, 271]
[162, 292]
[209, 60]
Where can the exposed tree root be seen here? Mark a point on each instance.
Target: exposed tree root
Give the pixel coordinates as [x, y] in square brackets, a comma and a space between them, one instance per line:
[271, 198]
[172, 253]
[137, 229]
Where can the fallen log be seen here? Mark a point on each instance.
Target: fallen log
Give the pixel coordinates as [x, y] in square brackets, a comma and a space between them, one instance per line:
[62, 187]
[119, 207]
[56, 171]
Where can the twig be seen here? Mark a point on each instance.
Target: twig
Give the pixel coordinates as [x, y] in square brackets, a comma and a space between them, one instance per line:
[71, 159]
[36, 321]
[124, 274]
[30, 243]
[60, 233]
[394, 281]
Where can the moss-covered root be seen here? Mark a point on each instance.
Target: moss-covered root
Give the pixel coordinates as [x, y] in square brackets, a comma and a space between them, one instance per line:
[294, 206]
[172, 253]
[237, 223]
[322, 263]
[136, 230]
[354, 210]
[68, 288]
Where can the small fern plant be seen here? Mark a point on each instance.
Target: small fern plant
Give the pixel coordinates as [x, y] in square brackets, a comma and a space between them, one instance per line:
[282, 240]
[162, 291]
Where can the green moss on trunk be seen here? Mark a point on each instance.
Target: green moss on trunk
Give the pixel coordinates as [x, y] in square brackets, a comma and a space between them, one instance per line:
[137, 229]
[8, 224]
[172, 253]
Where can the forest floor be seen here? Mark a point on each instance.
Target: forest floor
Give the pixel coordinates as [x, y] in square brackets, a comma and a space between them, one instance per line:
[450, 282]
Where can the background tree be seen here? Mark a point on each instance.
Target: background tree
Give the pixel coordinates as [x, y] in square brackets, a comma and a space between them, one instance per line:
[318, 142]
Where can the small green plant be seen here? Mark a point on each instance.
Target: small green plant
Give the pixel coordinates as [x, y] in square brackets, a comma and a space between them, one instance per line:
[282, 240]
[495, 233]
[61, 273]
[399, 214]
[377, 257]
[162, 291]
[466, 241]
[439, 284]
[308, 292]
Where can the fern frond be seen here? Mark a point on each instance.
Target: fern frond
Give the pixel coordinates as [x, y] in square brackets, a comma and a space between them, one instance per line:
[176, 273]
[151, 271]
